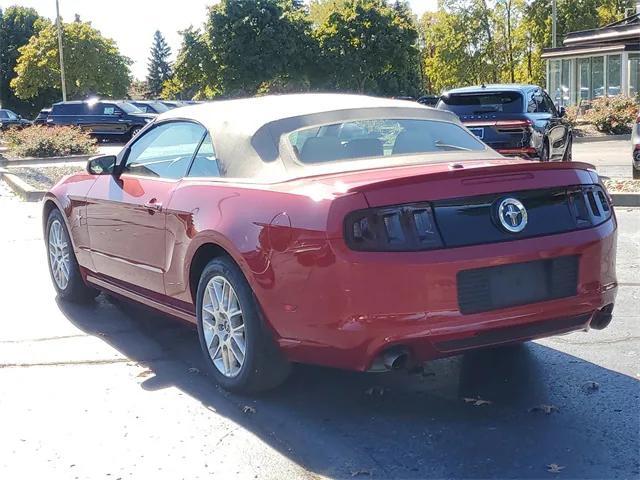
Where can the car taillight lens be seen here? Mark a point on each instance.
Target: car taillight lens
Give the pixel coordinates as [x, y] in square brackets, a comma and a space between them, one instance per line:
[590, 205]
[400, 228]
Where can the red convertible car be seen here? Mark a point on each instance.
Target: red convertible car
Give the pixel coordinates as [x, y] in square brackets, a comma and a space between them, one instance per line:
[340, 230]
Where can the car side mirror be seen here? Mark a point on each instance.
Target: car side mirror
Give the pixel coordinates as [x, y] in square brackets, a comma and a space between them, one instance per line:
[101, 165]
[562, 112]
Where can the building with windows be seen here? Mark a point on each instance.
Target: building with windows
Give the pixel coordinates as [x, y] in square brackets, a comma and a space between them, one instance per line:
[595, 63]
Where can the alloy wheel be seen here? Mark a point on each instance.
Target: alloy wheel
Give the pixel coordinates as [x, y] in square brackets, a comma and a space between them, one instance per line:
[59, 261]
[223, 326]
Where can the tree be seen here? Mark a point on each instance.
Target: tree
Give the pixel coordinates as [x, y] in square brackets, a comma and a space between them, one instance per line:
[255, 42]
[159, 67]
[193, 70]
[93, 64]
[321, 10]
[454, 54]
[370, 46]
[138, 90]
[17, 25]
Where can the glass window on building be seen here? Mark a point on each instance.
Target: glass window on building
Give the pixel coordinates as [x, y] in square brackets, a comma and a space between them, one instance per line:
[555, 89]
[597, 77]
[565, 83]
[634, 75]
[614, 77]
[584, 78]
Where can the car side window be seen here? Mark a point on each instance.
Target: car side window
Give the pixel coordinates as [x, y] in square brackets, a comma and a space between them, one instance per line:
[548, 104]
[205, 163]
[165, 151]
[537, 102]
[110, 110]
[4, 114]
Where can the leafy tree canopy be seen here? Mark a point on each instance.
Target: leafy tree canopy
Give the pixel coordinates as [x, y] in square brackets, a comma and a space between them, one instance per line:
[17, 25]
[93, 64]
[370, 46]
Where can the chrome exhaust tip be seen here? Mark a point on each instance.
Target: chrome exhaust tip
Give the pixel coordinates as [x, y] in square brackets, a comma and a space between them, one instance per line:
[602, 318]
[395, 359]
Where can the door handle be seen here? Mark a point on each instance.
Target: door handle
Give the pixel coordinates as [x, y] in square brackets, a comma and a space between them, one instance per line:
[153, 205]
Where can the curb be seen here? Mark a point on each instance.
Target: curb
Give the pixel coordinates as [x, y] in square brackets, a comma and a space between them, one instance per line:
[625, 199]
[22, 188]
[604, 138]
[4, 161]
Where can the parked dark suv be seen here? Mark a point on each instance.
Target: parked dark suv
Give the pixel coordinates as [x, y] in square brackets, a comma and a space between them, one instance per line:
[102, 118]
[41, 118]
[149, 106]
[513, 119]
[9, 119]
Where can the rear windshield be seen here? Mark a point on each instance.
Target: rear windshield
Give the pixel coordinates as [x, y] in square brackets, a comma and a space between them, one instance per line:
[380, 138]
[481, 103]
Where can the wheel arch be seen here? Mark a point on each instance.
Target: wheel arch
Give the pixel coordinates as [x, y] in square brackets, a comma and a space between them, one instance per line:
[201, 257]
[47, 207]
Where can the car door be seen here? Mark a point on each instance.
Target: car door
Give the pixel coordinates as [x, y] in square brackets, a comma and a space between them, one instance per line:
[126, 219]
[112, 120]
[557, 128]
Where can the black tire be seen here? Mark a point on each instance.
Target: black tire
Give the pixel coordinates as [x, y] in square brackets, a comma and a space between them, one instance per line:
[568, 152]
[134, 131]
[544, 154]
[76, 290]
[264, 367]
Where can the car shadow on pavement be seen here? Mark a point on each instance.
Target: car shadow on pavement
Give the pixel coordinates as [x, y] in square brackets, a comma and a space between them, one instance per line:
[501, 413]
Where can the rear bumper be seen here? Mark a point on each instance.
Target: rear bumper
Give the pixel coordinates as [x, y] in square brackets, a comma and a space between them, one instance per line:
[361, 304]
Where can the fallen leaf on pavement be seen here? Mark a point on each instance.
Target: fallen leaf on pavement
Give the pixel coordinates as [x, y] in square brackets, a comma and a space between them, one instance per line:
[548, 409]
[554, 468]
[144, 373]
[591, 386]
[357, 473]
[477, 402]
[248, 409]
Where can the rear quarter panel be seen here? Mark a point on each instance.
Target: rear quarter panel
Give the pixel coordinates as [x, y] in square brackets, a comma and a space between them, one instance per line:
[276, 235]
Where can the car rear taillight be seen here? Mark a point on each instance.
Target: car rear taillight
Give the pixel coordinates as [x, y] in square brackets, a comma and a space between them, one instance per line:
[400, 228]
[590, 205]
[513, 126]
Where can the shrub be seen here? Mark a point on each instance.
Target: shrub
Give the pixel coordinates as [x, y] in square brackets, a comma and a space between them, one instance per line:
[571, 115]
[612, 114]
[40, 141]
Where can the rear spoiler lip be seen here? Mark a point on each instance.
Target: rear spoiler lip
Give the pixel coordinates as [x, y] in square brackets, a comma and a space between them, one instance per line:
[485, 170]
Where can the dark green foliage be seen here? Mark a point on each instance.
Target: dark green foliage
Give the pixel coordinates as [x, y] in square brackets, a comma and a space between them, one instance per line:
[17, 25]
[159, 66]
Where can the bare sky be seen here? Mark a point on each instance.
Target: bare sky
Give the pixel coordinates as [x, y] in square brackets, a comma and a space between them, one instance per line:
[131, 23]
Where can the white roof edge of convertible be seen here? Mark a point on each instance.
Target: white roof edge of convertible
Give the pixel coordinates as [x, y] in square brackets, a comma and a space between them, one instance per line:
[248, 134]
[257, 111]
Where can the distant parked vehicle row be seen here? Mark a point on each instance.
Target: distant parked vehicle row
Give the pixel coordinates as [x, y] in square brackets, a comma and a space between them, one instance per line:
[10, 119]
[105, 119]
[513, 119]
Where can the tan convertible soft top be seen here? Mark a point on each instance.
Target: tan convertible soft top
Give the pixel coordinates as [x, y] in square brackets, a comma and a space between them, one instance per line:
[249, 135]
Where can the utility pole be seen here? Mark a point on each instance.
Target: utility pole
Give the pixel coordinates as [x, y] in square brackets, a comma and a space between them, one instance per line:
[554, 22]
[59, 25]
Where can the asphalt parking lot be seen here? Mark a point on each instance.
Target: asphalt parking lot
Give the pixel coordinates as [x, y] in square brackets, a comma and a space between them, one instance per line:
[111, 390]
[612, 158]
